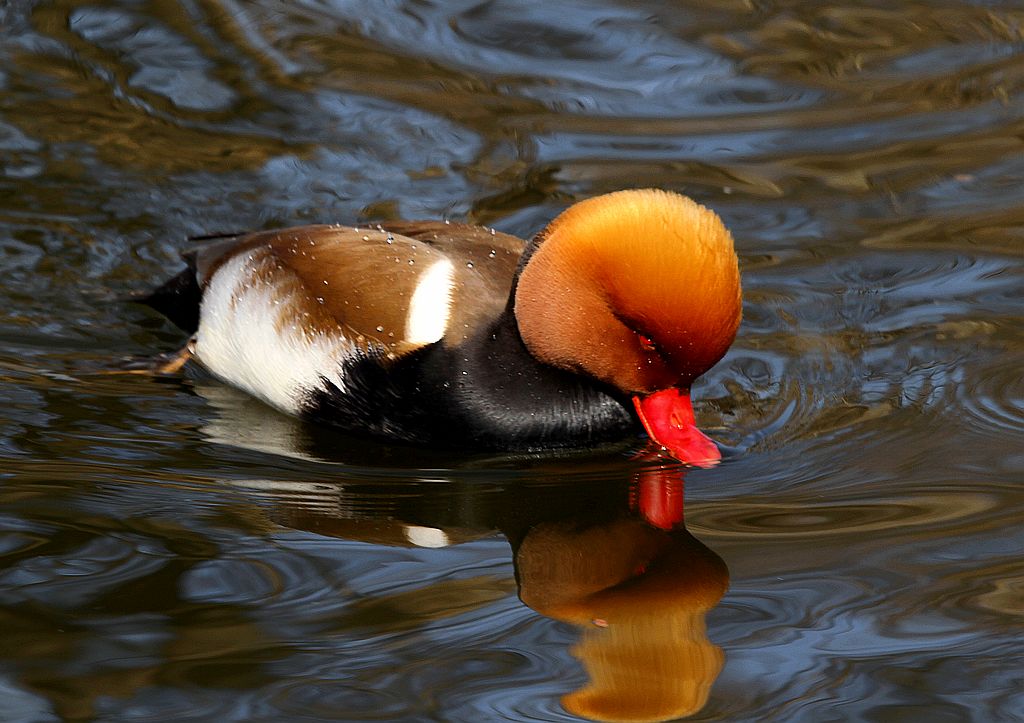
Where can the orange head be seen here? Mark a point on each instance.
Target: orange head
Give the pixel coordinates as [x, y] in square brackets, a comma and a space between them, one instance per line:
[639, 289]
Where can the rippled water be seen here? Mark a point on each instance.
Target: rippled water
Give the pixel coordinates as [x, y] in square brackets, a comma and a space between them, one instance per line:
[172, 551]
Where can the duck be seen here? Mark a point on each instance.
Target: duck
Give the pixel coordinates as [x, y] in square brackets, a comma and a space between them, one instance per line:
[458, 336]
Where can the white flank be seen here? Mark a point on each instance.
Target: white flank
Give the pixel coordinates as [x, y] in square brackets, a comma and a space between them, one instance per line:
[431, 304]
[245, 340]
[426, 536]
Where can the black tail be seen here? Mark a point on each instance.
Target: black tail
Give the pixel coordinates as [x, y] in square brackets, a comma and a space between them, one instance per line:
[178, 300]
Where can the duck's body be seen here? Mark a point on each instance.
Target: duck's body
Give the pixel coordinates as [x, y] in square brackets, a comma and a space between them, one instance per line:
[438, 333]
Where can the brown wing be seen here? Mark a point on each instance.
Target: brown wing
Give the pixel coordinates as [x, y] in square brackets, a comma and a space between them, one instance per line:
[365, 279]
[485, 262]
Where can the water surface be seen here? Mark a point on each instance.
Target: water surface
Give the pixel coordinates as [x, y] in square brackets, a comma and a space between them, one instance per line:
[172, 551]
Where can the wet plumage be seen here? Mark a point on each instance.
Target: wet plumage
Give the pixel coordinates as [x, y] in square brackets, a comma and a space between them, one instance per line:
[439, 333]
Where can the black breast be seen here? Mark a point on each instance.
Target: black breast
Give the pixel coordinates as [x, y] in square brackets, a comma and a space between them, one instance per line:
[487, 393]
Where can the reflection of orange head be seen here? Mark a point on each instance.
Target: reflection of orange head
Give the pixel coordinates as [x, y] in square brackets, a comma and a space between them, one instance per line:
[652, 666]
[641, 595]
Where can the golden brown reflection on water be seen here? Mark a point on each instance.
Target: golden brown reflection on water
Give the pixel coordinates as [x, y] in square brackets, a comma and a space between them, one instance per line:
[640, 595]
[168, 551]
[637, 592]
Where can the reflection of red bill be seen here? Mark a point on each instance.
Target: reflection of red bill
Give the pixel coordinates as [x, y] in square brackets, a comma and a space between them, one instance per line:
[668, 418]
[660, 498]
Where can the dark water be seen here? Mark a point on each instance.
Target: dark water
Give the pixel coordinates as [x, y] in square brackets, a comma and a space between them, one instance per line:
[170, 551]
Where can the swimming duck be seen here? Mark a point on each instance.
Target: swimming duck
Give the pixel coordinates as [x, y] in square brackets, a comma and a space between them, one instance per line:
[450, 334]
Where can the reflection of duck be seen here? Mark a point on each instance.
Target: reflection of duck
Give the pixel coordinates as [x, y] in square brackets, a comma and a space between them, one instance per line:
[640, 594]
[583, 553]
[454, 335]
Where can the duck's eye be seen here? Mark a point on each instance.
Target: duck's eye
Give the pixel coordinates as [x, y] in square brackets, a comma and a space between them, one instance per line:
[646, 344]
